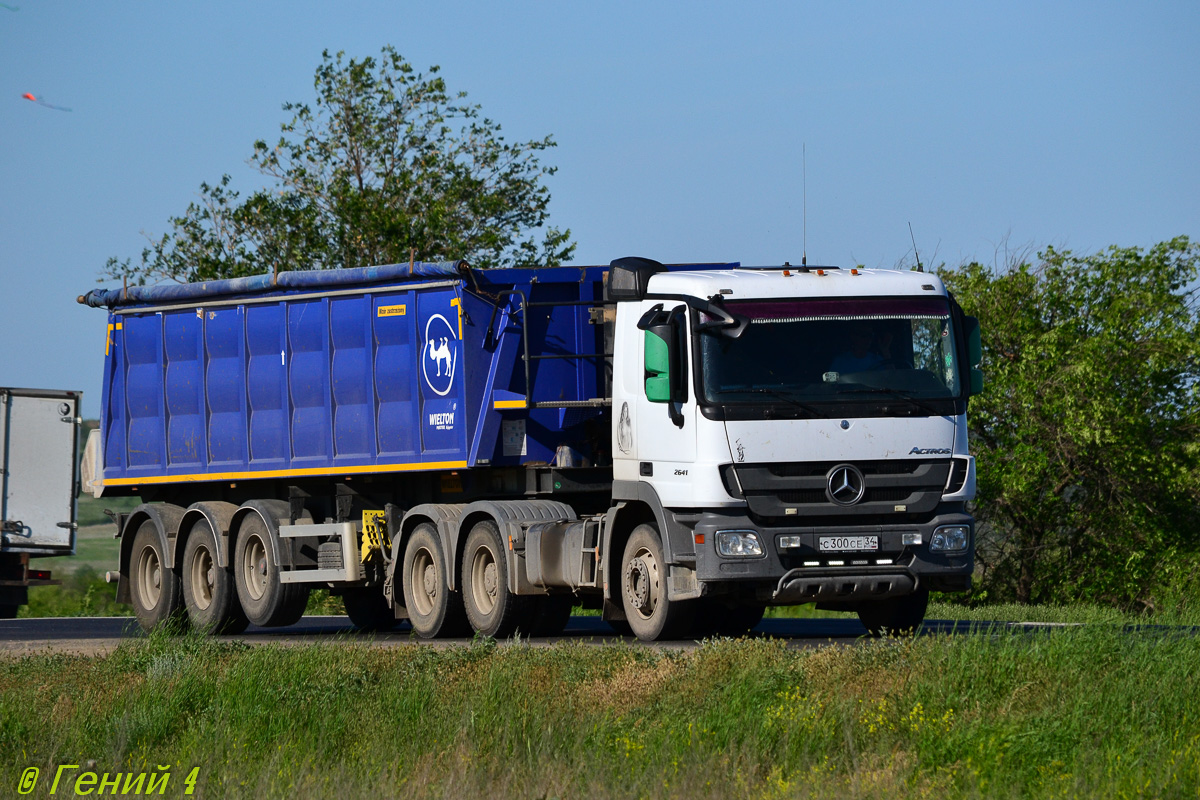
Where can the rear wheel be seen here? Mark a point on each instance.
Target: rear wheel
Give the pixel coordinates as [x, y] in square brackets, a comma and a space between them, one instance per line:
[651, 614]
[897, 616]
[154, 589]
[208, 591]
[492, 609]
[433, 609]
[267, 601]
[368, 609]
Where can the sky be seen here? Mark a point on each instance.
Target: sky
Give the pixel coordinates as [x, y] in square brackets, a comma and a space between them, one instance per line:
[695, 131]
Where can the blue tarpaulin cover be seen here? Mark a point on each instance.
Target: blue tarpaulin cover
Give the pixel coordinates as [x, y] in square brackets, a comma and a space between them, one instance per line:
[257, 284]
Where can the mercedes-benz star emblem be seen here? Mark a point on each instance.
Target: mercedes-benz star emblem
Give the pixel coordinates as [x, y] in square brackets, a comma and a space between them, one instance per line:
[845, 485]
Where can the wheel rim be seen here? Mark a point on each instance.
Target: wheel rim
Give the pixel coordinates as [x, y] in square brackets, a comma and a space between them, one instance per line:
[423, 582]
[149, 577]
[203, 577]
[643, 584]
[254, 567]
[485, 580]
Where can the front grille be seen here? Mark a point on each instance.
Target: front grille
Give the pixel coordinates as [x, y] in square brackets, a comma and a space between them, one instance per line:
[820, 469]
[798, 489]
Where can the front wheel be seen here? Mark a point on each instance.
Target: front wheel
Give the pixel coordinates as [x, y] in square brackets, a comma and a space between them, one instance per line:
[651, 614]
[898, 616]
[723, 619]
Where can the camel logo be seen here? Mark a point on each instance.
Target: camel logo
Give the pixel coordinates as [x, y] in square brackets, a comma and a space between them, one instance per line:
[439, 356]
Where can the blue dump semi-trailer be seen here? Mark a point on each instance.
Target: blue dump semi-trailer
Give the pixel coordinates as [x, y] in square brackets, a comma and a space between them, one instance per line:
[679, 446]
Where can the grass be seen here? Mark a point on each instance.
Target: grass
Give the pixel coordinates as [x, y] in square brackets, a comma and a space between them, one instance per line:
[83, 593]
[1088, 712]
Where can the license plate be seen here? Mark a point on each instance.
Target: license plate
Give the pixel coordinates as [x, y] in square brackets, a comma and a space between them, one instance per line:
[847, 544]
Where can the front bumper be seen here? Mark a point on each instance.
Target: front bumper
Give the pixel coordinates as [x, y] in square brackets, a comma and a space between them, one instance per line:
[805, 574]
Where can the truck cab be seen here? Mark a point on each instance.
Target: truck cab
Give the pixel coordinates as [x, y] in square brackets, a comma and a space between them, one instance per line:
[801, 434]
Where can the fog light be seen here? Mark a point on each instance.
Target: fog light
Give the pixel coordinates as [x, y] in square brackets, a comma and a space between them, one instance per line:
[910, 539]
[738, 543]
[950, 538]
[785, 542]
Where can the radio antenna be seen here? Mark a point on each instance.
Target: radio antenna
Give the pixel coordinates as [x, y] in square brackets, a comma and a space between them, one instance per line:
[915, 253]
[804, 201]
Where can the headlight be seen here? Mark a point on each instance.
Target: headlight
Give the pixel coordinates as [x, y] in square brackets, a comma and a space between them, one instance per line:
[950, 538]
[738, 543]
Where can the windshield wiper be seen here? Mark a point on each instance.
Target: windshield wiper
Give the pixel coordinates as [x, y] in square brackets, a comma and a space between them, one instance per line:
[784, 396]
[901, 393]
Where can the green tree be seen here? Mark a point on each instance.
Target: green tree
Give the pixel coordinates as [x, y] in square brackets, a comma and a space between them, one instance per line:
[387, 165]
[1085, 436]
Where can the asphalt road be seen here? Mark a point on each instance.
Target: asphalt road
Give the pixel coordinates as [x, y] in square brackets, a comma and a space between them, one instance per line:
[94, 635]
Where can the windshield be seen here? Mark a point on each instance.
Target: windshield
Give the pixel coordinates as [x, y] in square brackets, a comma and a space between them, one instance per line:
[834, 351]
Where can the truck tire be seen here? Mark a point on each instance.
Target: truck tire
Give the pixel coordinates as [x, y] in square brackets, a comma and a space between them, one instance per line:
[267, 601]
[8, 611]
[368, 609]
[896, 616]
[651, 614]
[551, 614]
[722, 619]
[154, 589]
[208, 591]
[433, 609]
[492, 609]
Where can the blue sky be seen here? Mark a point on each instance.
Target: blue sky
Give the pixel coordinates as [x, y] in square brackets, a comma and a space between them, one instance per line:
[679, 128]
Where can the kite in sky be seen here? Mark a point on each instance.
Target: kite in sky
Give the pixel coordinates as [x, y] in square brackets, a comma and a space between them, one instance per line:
[30, 97]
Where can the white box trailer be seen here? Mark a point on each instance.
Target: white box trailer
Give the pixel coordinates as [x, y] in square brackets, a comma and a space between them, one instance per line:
[39, 477]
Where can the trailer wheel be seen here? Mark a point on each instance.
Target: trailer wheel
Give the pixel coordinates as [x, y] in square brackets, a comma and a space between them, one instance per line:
[433, 609]
[897, 616]
[492, 609]
[209, 594]
[651, 615]
[154, 589]
[368, 609]
[267, 601]
[551, 614]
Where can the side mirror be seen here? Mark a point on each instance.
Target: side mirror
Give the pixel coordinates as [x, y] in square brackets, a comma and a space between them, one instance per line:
[974, 341]
[665, 351]
[658, 363]
[974, 352]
